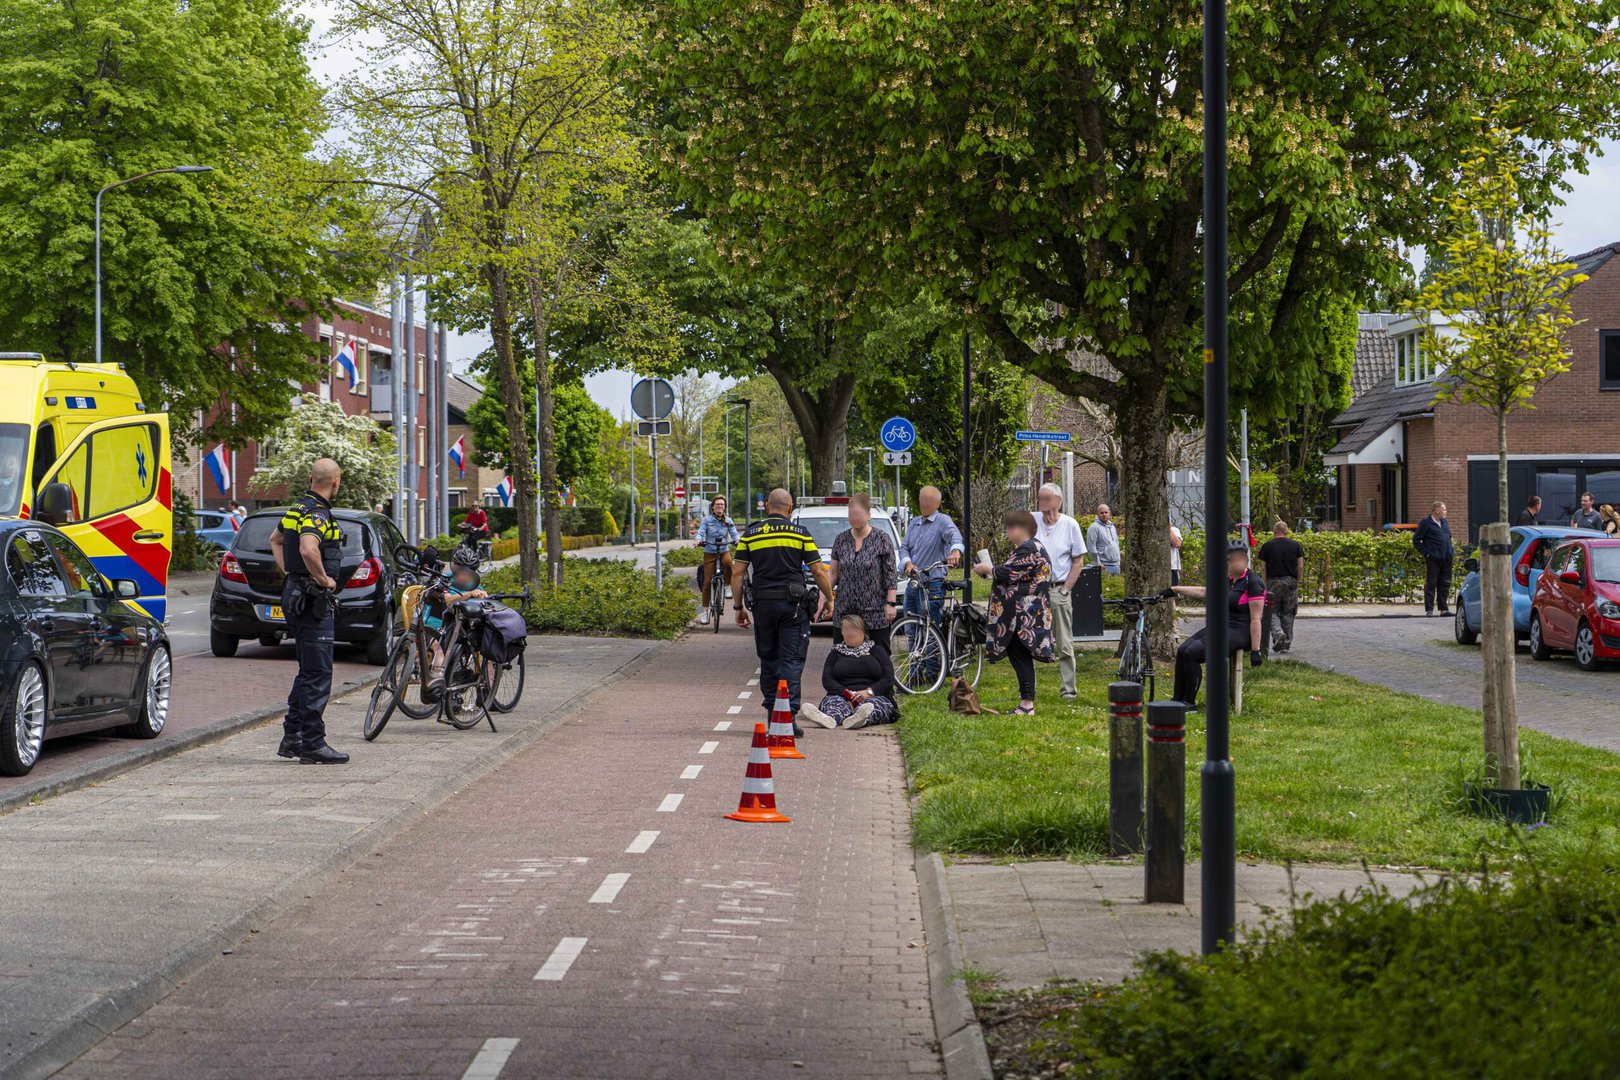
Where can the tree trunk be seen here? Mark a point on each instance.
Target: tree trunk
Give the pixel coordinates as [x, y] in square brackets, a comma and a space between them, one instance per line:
[545, 401]
[1144, 429]
[520, 461]
[1501, 466]
[1499, 702]
[822, 420]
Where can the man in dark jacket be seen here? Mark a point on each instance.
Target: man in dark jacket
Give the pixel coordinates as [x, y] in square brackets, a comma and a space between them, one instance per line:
[1433, 541]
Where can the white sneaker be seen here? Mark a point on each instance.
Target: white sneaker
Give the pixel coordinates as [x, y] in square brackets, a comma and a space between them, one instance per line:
[863, 714]
[703, 617]
[812, 715]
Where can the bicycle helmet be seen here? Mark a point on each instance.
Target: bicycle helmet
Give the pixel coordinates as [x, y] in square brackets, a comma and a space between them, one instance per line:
[466, 558]
[1237, 547]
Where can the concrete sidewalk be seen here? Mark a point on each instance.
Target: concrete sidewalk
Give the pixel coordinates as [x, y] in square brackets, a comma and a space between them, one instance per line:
[116, 893]
[1028, 923]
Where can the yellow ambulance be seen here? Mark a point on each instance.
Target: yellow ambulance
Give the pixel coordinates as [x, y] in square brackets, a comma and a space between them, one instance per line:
[79, 450]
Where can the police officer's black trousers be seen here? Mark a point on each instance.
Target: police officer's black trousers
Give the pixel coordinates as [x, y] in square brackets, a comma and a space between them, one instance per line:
[782, 640]
[313, 632]
[1190, 660]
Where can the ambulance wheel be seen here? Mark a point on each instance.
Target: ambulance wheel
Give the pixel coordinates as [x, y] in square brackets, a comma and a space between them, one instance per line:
[222, 644]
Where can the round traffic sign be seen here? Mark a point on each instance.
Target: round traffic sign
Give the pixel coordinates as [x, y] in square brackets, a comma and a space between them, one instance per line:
[652, 399]
[680, 493]
[898, 434]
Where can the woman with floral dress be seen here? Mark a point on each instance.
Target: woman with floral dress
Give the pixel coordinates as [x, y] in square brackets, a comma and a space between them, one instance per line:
[864, 574]
[1020, 612]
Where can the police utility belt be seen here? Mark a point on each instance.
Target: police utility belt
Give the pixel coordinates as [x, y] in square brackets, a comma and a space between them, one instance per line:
[798, 592]
[305, 597]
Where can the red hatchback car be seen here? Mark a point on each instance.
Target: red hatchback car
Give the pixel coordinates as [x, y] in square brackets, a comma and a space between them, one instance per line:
[1576, 607]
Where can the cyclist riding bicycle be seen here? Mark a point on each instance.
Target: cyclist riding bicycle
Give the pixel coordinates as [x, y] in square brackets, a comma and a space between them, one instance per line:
[717, 536]
[463, 585]
[475, 529]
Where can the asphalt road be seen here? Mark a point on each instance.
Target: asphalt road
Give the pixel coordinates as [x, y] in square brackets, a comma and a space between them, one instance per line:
[1419, 656]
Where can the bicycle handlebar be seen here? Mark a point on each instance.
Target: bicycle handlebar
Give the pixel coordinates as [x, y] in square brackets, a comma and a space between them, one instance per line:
[1135, 601]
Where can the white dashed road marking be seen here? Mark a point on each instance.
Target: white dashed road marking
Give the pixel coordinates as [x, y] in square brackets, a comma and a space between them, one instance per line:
[708, 747]
[491, 1059]
[745, 695]
[670, 804]
[562, 958]
[608, 891]
[724, 725]
[642, 842]
[753, 682]
[691, 772]
[734, 710]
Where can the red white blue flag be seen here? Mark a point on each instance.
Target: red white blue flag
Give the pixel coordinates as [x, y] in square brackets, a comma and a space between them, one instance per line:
[458, 453]
[348, 363]
[219, 466]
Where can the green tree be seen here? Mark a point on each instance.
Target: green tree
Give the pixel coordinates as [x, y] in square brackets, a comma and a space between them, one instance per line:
[1503, 291]
[578, 427]
[206, 278]
[316, 429]
[505, 118]
[1038, 164]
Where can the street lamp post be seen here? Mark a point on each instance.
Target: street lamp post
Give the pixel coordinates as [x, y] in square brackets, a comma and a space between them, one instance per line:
[179, 170]
[748, 465]
[1217, 780]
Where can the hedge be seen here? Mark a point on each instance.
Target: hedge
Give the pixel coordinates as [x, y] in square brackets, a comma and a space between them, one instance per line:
[1345, 566]
[603, 597]
[685, 555]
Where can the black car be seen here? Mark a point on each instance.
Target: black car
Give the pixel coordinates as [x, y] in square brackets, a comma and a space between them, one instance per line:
[74, 656]
[247, 591]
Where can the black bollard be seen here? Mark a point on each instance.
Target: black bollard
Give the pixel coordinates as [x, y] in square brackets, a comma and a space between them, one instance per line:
[1124, 768]
[1165, 864]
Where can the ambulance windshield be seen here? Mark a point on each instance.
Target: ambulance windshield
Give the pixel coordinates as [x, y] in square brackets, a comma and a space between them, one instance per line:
[13, 453]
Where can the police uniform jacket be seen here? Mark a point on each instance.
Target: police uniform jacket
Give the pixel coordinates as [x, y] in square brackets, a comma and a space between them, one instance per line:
[311, 515]
[778, 551]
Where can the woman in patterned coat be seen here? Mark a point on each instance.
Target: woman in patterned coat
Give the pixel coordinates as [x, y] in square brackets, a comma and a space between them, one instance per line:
[1020, 612]
[864, 573]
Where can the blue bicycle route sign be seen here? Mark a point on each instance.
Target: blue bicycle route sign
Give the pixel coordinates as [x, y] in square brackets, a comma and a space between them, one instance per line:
[1041, 436]
[899, 434]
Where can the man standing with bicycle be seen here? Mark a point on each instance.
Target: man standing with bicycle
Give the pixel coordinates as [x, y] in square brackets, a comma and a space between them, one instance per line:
[933, 546]
[778, 552]
[309, 606]
[716, 536]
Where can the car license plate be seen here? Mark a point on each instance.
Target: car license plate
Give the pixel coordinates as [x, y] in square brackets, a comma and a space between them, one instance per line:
[273, 613]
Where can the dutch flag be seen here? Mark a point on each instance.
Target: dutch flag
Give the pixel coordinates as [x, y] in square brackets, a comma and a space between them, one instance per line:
[458, 453]
[345, 360]
[219, 464]
[505, 490]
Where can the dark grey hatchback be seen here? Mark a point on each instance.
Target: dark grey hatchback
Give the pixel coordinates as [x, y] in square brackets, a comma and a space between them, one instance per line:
[74, 656]
[246, 602]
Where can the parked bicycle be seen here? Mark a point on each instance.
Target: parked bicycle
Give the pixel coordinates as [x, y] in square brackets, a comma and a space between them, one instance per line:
[500, 685]
[925, 653]
[1135, 654]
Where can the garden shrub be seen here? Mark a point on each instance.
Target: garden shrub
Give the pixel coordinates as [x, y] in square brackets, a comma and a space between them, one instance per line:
[1344, 566]
[685, 555]
[603, 597]
[1482, 979]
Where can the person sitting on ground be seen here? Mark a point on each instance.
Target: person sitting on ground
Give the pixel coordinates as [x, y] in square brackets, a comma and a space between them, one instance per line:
[463, 585]
[859, 680]
[1245, 601]
[1020, 607]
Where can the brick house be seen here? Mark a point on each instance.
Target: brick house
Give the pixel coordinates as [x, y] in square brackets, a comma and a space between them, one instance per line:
[1399, 449]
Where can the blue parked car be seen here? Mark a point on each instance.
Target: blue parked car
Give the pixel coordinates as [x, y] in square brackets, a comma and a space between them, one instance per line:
[214, 526]
[1532, 546]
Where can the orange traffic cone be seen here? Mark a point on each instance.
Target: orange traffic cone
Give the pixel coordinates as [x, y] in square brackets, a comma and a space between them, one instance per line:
[781, 740]
[758, 801]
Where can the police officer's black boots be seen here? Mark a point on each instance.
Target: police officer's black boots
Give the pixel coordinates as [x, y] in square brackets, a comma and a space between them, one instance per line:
[323, 755]
[291, 746]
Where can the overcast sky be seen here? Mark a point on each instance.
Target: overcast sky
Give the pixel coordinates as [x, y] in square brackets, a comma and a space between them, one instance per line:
[1589, 218]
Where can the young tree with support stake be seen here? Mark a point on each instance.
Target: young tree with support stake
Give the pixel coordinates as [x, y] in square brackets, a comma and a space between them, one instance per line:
[1504, 291]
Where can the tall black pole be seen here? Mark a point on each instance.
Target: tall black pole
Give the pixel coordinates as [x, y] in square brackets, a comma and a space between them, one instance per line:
[1217, 781]
[748, 462]
[967, 468]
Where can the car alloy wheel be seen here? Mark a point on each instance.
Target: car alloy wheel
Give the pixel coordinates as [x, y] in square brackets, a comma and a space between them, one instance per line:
[1585, 647]
[30, 727]
[159, 685]
[1538, 651]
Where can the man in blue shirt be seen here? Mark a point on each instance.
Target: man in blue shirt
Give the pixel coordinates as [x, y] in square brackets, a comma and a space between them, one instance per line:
[931, 538]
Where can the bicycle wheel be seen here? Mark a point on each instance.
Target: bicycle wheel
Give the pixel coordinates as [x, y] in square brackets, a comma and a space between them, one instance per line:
[918, 652]
[465, 700]
[506, 685]
[385, 696]
[971, 665]
[419, 709]
[717, 600]
[1130, 656]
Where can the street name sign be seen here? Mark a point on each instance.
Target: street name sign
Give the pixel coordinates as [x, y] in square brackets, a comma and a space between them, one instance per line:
[1042, 436]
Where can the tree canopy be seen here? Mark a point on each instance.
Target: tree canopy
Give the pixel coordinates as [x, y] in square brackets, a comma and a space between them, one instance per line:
[316, 429]
[95, 91]
[1039, 163]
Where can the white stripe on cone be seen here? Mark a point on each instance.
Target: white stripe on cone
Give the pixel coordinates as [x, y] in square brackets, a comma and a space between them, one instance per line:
[758, 785]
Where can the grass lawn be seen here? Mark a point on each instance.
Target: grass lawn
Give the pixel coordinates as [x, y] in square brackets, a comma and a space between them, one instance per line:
[1329, 769]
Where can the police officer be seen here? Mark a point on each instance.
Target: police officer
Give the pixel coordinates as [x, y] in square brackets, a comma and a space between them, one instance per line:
[310, 610]
[778, 551]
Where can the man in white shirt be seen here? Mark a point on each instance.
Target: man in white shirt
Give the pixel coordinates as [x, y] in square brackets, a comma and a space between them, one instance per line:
[1175, 556]
[1060, 535]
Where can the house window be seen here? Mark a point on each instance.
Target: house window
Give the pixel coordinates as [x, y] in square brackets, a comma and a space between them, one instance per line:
[1609, 359]
[1414, 361]
[1349, 489]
